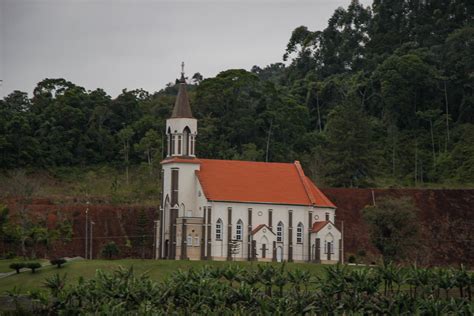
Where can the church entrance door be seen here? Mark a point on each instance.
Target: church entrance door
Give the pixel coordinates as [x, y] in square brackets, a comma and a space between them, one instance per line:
[279, 254]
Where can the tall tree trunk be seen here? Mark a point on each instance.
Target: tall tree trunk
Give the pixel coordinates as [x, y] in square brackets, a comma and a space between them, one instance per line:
[447, 115]
[416, 162]
[319, 114]
[268, 140]
[432, 142]
[149, 162]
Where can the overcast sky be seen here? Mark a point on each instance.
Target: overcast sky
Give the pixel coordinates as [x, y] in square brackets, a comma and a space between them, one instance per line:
[140, 44]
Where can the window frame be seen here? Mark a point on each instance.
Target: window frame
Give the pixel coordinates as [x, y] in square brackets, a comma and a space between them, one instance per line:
[239, 230]
[219, 229]
[300, 233]
[280, 232]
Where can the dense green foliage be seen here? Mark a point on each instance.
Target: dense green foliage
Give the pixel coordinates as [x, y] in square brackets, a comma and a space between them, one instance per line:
[58, 262]
[383, 95]
[267, 289]
[393, 227]
[33, 266]
[17, 266]
[110, 250]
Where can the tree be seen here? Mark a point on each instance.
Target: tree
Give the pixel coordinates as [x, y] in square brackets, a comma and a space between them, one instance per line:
[125, 136]
[17, 266]
[197, 78]
[234, 248]
[142, 232]
[150, 146]
[393, 226]
[348, 155]
[33, 266]
[58, 262]
[110, 250]
[4, 217]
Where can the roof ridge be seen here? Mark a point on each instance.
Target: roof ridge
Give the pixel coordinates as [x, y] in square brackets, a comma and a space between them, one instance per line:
[302, 176]
[248, 161]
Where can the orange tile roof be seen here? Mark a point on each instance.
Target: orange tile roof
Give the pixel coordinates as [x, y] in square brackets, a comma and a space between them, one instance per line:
[258, 182]
[317, 226]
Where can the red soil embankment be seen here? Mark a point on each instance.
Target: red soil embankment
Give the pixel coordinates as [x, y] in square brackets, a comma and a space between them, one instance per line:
[118, 223]
[446, 216]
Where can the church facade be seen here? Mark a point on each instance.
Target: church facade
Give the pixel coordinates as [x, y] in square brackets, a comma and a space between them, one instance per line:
[238, 210]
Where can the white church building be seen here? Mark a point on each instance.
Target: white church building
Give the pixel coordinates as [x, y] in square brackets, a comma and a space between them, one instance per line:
[238, 210]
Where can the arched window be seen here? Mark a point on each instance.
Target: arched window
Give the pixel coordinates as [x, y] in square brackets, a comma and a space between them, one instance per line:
[299, 233]
[192, 144]
[168, 139]
[186, 133]
[239, 228]
[179, 145]
[280, 232]
[173, 144]
[219, 229]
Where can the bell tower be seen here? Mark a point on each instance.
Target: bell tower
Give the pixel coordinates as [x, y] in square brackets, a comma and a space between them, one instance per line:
[179, 209]
[181, 127]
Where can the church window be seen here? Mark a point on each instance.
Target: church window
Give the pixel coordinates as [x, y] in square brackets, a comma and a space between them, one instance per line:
[196, 241]
[280, 232]
[329, 245]
[189, 241]
[173, 140]
[219, 229]
[179, 145]
[174, 186]
[327, 217]
[186, 133]
[299, 233]
[192, 144]
[168, 140]
[239, 230]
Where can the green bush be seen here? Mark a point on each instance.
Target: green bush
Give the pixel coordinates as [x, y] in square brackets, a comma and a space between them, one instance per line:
[17, 266]
[110, 250]
[351, 259]
[267, 289]
[58, 262]
[33, 266]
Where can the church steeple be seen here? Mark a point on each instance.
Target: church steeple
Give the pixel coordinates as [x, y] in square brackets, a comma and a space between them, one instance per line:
[181, 106]
[181, 127]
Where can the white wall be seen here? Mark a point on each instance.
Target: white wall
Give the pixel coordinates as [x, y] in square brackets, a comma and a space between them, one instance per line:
[194, 199]
[260, 216]
[323, 236]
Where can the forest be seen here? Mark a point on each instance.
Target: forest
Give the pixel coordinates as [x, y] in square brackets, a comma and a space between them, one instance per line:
[382, 97]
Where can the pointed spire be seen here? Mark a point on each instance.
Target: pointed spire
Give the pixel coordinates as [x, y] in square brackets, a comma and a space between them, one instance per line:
[181, 106]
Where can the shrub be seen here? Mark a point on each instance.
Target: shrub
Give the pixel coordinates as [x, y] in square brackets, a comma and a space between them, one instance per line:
[351, 259]
[58, 262]
[55, 283]
[17, 266]
[33, 266]
[110, 250]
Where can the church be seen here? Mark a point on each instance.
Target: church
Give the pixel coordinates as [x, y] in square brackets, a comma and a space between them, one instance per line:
[238, 210]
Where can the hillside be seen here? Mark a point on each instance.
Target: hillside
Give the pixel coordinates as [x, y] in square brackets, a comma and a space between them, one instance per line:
[367, 101]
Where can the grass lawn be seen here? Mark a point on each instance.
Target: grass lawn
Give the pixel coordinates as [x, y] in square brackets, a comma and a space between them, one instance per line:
[156, 269]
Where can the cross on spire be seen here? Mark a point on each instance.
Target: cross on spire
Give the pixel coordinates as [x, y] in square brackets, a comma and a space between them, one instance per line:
[182, 72]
